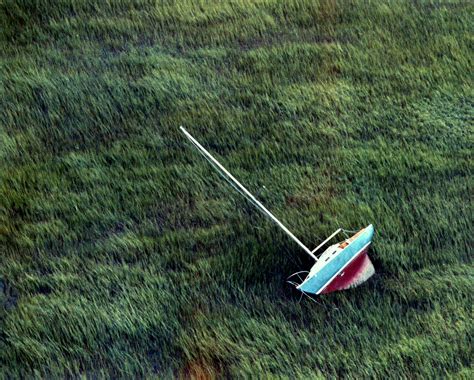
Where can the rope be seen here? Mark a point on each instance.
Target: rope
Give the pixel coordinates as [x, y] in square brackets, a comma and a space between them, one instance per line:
[350, 231]
[347, 232]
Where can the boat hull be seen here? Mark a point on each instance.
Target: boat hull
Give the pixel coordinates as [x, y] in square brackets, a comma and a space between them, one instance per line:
[348, 268]
[357, 272]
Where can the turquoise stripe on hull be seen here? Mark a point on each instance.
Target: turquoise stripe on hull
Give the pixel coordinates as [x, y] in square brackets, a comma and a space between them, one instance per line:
[316, 283]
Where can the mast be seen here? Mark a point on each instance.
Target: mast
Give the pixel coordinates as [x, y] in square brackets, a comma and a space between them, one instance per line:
[248, 194]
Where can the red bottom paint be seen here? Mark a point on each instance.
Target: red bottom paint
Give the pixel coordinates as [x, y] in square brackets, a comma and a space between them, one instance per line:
[358, 271]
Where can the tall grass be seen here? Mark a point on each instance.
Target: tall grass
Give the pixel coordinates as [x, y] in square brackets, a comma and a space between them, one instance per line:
[123, 254]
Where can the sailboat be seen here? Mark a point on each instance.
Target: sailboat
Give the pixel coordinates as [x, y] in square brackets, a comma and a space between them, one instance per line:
[341, 266]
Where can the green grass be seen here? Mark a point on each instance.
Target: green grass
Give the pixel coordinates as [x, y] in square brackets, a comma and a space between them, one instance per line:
[124, 254]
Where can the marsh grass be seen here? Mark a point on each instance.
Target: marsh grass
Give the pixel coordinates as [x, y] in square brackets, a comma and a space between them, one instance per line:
[123, 254]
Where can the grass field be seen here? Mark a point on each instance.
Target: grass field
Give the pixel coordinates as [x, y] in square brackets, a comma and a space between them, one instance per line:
[124, 254]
